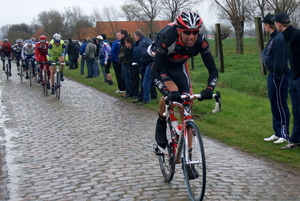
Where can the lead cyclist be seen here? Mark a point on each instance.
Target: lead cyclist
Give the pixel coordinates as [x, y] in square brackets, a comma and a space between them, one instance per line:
[57, 53]
[175, 44]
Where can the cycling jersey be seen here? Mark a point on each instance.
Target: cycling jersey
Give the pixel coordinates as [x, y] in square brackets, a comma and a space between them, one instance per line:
[41, 51]
[6, 50]
[28, 52]
[171, 56]
[18, 49]
[56, 51]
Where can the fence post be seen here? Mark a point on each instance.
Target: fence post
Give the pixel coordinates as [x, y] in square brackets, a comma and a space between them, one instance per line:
[260, 44]
[220, 47]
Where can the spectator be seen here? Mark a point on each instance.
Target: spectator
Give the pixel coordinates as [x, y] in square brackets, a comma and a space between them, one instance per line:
[114, 54]
[71, 52]
[83, 58]
[275, 59]
[90, 51]
[144, 60]
[96, 66]
[292, 39]
[105, 60]
[76, 54]
[126, 59]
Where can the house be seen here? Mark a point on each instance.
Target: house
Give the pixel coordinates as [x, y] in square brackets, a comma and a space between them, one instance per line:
[40, 32]
[110, 28]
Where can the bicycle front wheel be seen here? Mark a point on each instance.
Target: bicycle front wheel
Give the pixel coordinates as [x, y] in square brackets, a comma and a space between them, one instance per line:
[30, 74]
[194, 166]
[167, 161]
[57, 86]
[21, 73]
[7, 71]
[45, 82]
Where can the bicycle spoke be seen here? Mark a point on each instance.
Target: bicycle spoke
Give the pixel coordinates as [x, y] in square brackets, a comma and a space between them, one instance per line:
[194, 164]
[166, 162]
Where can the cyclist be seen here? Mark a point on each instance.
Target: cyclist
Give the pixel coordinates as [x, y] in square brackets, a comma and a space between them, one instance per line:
[56, 52]
[177, 42]
[41, 52]
[18, 50]
[6, 51]
[28, 53]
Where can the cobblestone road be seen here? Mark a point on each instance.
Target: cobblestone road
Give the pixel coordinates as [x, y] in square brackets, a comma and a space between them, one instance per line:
[90, 146]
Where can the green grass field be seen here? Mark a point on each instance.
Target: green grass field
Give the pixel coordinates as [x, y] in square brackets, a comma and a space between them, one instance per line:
[245, 118]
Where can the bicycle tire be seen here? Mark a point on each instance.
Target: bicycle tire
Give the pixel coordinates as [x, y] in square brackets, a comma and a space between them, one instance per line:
[57, 86]
[7, 70]
[196, 186]
[167, 162]
[30, 73]
[21, 73]
[45, 82]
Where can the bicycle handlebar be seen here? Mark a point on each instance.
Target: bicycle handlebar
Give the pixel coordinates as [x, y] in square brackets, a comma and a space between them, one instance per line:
[216, 96]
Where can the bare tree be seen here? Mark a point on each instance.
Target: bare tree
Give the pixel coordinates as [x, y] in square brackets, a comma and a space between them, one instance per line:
[4, 31]
[75, 19]
[111, 15]
[22, 31]
[51, 21]
[144, 10]
[172, 8]
[236, 11]
[226, 30]
[287, 6]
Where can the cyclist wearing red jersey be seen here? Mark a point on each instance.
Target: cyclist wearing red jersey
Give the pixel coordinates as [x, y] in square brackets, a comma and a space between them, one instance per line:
[41, 52]
[178, 42]
[6, 51]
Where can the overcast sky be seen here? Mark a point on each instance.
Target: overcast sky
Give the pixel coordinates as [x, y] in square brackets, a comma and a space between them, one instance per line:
[17, 12]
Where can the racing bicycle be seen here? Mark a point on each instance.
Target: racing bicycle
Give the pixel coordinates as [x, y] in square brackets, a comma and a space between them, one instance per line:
[30, 70]
[44, 80]
[20, 73]
[185, 145]
[57, 79]
[7, 70]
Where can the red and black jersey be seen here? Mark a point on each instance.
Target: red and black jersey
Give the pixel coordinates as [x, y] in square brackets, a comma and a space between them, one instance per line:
[6, 48]
[41, 51]
[171, 53]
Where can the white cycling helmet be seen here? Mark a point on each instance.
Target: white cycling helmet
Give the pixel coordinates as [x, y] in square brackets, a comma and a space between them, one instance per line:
[56, 37]
[19, 40]
[29, 42]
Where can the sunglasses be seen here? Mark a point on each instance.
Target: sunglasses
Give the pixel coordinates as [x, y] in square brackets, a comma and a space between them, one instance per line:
[189, 32]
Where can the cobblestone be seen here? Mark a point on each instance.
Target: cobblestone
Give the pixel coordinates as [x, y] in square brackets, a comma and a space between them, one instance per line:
[90, 146]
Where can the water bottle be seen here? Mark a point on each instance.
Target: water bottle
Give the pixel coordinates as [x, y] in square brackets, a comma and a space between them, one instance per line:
[174, 124]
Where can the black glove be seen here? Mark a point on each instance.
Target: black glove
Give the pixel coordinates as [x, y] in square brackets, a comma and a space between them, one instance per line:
[174, 96]
[206, 94]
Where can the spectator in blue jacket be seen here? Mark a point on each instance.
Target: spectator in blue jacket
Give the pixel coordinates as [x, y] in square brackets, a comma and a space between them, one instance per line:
[82, 53]
[114, 54]
[274, 57]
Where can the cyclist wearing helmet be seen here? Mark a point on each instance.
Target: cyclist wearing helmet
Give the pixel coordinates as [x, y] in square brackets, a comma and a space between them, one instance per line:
[28, 53]
[176, 43]
[56, 53]
[41, 52]
[6, 51]
[17, 48]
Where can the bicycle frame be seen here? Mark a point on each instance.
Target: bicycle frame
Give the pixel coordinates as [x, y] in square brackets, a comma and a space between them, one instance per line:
[187, 117]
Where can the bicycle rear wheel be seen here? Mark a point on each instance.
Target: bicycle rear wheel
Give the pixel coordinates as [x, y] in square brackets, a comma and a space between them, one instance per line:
[21, 73]
[30, 73]
[57, 86]
[7, 70]
[45, 82]
[194, 166]
[167, 161]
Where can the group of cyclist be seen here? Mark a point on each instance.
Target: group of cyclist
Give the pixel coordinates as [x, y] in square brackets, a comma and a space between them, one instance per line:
[44, 53]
